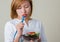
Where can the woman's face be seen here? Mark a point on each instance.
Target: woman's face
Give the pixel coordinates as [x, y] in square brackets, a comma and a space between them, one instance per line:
[24, 8]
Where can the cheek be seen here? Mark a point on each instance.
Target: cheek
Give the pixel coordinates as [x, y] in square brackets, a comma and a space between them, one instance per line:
[28, 10]
[18, 11]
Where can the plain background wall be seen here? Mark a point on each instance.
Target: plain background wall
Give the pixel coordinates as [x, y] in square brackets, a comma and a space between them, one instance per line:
[48, 11]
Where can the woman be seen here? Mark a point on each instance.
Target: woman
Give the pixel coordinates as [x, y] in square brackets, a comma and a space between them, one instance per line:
[18, 8]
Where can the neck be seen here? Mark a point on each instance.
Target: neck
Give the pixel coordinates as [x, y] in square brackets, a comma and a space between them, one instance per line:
[27, 19]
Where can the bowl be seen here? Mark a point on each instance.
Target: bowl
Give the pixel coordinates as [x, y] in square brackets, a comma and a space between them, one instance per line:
[31, 36]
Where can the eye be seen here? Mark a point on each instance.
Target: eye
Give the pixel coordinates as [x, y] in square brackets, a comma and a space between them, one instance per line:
[19, 7]
[26, 6]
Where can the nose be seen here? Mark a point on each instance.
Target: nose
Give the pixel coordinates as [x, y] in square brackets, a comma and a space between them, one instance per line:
[23, 10]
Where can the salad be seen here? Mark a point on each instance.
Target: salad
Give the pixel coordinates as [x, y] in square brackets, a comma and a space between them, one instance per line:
[31, 35]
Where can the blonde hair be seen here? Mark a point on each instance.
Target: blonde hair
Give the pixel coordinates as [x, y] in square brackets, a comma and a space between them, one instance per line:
[15, 4]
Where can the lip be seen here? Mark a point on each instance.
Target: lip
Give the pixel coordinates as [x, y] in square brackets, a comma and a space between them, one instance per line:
[24, 15]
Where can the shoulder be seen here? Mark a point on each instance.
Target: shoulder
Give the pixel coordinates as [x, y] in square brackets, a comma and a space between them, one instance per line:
[8, 22]
[9, 26]
[11, 22]
[36, 21]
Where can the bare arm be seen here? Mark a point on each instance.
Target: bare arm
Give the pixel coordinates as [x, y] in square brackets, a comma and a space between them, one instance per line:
[17, 38]
[19, 28]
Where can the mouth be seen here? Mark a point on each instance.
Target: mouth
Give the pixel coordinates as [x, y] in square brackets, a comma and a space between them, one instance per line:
[24, 15]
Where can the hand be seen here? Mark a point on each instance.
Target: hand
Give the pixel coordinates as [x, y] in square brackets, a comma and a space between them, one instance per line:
[39, 39]
[19, 28]
[31, 40]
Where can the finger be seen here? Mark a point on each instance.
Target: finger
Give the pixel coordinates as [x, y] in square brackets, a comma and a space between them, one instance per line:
[39, 39]
[22, 23]
[22, 26]
[31, 41]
